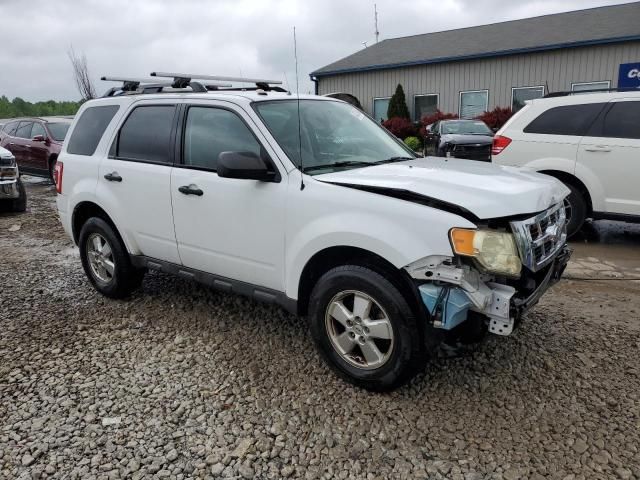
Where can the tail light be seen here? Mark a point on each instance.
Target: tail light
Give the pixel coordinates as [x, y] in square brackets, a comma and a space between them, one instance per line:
[57, 176]
[499, 144]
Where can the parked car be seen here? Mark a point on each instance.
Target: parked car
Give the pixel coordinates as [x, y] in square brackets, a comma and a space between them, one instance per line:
[35, 142]
[590, 142]
[470, 139]
[13, 196]
[385, 253]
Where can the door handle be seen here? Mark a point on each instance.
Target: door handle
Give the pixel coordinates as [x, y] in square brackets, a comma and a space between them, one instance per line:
[11, 143]
[597, 148]
[191, 190]
[113, 177]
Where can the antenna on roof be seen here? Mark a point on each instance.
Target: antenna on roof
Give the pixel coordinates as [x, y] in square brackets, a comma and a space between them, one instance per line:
[295, 54]
[375, 15]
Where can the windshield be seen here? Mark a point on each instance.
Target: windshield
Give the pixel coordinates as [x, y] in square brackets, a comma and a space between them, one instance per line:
[333, 135]
[58, 130]
[466, 128]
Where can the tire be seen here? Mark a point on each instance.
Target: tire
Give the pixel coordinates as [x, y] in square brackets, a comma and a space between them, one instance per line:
[19, 204]
[111, 273]
[401, 356]
[52, 167]
[576, 207]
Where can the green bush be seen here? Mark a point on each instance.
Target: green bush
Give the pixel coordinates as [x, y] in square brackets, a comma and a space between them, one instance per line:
[413, 143]
[398, 105]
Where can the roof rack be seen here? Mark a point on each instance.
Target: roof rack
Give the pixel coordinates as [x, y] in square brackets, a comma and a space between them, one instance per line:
[139, 86]
[188, 77]
[146, 85]
[596, 90]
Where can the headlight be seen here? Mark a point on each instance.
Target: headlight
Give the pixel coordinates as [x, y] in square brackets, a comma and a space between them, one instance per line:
[495, 251]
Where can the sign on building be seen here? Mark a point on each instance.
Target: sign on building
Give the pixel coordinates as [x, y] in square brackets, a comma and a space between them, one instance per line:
[629, 75]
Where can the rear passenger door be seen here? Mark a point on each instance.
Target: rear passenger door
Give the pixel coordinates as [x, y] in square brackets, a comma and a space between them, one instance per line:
[135, 179]
[611, 150]
[233, 228]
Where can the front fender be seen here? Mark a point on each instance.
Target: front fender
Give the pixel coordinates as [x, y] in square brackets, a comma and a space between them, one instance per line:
[399, 231]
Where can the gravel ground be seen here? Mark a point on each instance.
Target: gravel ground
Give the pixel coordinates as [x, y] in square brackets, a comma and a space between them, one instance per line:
[183, 382]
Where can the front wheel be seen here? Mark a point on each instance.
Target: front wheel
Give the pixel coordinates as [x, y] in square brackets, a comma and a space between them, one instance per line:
[106, 261]
[364, 328]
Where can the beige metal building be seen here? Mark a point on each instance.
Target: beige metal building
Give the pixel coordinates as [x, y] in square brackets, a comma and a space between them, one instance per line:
[470, 70]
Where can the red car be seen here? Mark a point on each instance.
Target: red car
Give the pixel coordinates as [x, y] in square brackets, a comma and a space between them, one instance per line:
[35, 142]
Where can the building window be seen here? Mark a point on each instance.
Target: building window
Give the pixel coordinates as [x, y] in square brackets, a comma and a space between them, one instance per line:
[380, 107]
[424, 105]
[519, 95]
[473, 103]
[582, 86]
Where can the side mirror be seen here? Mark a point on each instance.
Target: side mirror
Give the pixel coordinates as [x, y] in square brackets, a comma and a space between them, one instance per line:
[243, 165]
[38, 138]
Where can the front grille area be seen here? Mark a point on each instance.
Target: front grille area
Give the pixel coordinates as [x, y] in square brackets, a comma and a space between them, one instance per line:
[471, 151]
[541, 237]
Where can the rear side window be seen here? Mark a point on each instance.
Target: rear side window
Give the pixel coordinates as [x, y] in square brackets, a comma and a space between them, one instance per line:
[10, 128]
[146, 134]
[566, 120]
[89, 129]
[24, 130]
[622, 121]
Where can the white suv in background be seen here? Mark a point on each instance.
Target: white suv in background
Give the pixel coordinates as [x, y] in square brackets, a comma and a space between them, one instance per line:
[591, 142]
[310, 204]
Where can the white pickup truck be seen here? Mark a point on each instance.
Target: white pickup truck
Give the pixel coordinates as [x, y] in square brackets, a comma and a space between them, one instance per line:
[13, 197]
[308, 203]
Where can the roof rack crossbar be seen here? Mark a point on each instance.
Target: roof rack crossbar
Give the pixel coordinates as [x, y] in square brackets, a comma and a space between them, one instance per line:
[190, 76]
[148, 85]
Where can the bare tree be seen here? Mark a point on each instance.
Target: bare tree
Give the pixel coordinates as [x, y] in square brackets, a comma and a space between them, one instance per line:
[81, 74]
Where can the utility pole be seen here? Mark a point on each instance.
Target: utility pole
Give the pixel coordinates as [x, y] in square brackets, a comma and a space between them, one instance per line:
[375, 12]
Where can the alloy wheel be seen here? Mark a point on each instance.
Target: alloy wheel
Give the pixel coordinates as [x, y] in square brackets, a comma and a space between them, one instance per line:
[100, 258]
[359, 329]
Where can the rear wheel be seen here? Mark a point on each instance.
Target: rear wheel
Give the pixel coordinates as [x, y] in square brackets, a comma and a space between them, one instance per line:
[106, 261]
[576, 209]
[364, 328]
[52, 168]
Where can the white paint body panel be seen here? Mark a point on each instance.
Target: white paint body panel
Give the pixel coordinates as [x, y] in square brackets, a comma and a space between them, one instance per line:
[610, 173]
[484, 189]
[266, 233]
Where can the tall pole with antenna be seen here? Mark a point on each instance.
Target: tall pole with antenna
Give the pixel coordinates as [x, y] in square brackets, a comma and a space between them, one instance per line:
[375, 15]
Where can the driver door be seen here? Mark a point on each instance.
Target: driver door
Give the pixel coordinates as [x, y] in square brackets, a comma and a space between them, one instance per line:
[233, 228]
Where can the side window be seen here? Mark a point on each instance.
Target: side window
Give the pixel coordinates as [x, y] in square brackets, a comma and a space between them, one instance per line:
[24, 130]
[10, 128]
[622, 121]
[38, 129]
[211, 131]
[566, 120]
[89, 129]
[146, 134]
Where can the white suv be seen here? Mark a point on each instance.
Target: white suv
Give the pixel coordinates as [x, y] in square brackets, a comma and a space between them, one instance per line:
[591, 142]
[384, 252]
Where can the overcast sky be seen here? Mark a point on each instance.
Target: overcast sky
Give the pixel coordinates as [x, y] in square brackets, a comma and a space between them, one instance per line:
[223, 37]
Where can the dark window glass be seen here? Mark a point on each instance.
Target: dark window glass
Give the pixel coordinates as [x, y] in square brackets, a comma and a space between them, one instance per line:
[38, 129]
[24, 130]
[10, 128]
[566, 120]
[146, 134]
[58, 130]
[89, 129]
[211, 131]
[622, 121]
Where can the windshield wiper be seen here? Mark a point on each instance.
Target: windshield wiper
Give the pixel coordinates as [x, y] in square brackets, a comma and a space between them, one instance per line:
[394, 159]
[346, 163]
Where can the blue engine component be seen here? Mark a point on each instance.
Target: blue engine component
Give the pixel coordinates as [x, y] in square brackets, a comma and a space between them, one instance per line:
[449, 305]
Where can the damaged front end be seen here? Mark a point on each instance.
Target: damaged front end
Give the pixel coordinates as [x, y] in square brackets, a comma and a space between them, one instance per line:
[497, 274]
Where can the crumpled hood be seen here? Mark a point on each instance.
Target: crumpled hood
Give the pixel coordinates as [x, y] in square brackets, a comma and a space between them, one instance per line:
[484, 189]
[459, 139]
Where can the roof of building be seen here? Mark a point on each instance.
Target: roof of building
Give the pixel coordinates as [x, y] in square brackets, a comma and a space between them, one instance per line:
[593, 26]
